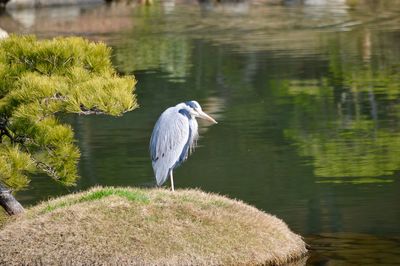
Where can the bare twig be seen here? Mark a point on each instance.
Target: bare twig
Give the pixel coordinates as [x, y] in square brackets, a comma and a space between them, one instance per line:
[91, 111]
[56, 97]
[47, 169]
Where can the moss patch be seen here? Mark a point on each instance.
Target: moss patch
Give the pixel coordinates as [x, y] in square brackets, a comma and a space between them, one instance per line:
[131, 195]
[130, 226]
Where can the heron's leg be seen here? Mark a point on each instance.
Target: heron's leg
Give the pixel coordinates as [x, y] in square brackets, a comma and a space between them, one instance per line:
[172, 181]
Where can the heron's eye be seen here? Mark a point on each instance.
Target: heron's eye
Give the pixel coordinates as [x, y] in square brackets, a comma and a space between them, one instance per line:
[196, 110]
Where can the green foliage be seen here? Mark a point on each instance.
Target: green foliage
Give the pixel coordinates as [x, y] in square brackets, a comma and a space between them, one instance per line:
[13, 164]
[41, 78]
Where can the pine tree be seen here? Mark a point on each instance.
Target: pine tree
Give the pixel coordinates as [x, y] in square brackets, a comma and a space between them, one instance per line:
[39, 79]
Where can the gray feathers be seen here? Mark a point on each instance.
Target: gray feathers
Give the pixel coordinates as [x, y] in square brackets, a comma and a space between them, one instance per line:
[174, 137]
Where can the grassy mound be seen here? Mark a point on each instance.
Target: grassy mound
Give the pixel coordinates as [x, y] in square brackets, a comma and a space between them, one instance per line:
[119, 226]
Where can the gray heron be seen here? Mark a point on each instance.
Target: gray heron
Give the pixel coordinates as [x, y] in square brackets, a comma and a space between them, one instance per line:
[174, 137]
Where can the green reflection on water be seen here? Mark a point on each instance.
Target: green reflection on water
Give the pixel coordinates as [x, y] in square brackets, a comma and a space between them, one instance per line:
[151, 46]
[347, 121]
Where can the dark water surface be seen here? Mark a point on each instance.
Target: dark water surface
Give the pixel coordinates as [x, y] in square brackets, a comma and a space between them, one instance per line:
[308, 102]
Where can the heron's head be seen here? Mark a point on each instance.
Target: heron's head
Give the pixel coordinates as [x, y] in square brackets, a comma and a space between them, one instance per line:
[195, 110]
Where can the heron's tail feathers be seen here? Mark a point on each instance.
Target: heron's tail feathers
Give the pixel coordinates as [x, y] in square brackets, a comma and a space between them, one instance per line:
[161, 180]
[161, 175]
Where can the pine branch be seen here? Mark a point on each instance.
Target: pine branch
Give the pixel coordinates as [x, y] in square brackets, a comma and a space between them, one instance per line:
[24, 61]
[91, 111]
[56, 97]
[47, 169]
[4, 131]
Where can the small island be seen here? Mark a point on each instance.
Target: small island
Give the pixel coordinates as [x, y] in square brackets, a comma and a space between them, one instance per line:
[115, 225]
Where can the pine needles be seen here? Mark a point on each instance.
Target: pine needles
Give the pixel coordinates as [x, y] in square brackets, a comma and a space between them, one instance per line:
[41, 78]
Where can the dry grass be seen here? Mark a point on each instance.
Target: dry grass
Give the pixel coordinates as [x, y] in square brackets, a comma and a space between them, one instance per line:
[3, 217]
[119, 226]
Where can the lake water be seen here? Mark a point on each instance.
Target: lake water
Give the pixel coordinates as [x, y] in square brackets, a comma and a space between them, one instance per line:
[306, 93]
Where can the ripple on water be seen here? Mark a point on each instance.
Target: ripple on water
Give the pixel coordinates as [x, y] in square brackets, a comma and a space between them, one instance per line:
[353, 249]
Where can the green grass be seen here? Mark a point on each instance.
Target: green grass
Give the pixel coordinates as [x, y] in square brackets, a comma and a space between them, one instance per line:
[135, 196]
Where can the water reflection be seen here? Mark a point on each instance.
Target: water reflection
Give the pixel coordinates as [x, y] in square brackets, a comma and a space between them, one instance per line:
[95, 20]
[308, 103]
[349, 117]
[353, 249]
[213, 106]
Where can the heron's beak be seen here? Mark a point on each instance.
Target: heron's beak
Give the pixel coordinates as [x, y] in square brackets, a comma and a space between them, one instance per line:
[206, 117]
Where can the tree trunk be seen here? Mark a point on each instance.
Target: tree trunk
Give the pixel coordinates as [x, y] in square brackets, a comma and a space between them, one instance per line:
[8, 202]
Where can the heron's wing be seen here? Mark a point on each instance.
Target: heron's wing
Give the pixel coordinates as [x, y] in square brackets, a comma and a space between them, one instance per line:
[170, 135]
